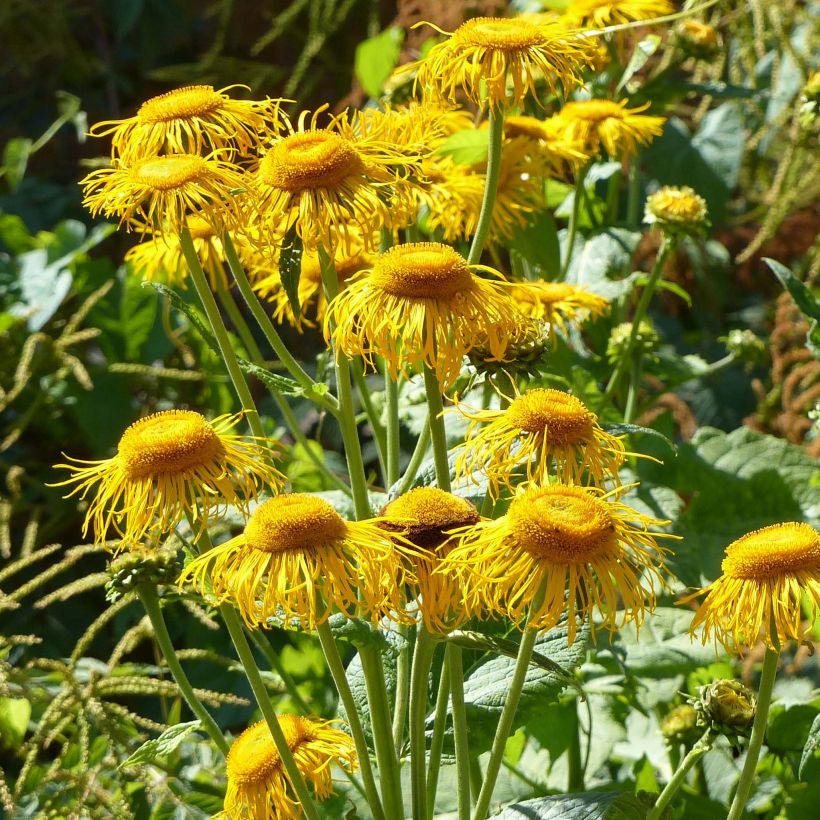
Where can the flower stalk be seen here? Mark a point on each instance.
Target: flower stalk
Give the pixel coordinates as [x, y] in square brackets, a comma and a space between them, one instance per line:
[485, 217]
[671, 789]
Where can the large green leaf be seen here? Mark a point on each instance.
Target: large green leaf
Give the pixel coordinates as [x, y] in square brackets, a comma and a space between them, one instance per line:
[376, 58]
[597, 261]
[582, 806]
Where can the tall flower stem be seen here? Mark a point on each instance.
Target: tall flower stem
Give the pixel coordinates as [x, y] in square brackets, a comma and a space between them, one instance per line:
[633, 197]
[402, 687]
[373, 417]
[485, 217]
[459, 729]
[671, 788]
[422, 659]
[436, 423]
[437, 739]
[764, 699]
[150, 600]
[262, 643]
[572, 225]
[420, 451]
[505, 722]
[337, 672]
[203, 291]
[391, 393]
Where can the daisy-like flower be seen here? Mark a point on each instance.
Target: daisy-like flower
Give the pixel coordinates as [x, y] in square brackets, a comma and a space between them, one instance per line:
[167, 465]
[596, 123]
[558, 303]
[299, 559]
[326, 181]
[699, 39]
[160, 258]
[585, 548]
[188, 120]
[163, 191]
[544, 141]
[766, 575]
[551, 432]
[484, 54]
[422, 304]
[258, 785]
[601, 13]
[425, 516]
[676, 210]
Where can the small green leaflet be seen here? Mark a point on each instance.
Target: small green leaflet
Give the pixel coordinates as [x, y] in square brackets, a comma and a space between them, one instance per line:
[808, 303]
[290, 267]
[166, 743]
[812, 745]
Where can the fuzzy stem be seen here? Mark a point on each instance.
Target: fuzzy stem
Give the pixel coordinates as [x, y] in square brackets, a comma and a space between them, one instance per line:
[150, 600]
[460, 735]
[671, 788]
[376, 425]
[402, 687]
[262, 643]
[437, 739]
[422, 659]
[633, 200]
[391, 393]
[437, 433]
[416, 459]
[572, 226]
[485, 217]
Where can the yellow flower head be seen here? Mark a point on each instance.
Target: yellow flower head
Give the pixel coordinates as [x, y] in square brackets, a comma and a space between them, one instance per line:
[421, 304]
[583, 548]
[167, 465]
[595, 123]
[327, 180]
[601, 13]
[550, 432]
[188, 120]
[676, 210]
[544, 141]
[765, 575]
[699, 38]
[258, 785]
[299, 559]
[163, 191]
[558, 303]
[426, 515]
[160, 259]
[484, 54]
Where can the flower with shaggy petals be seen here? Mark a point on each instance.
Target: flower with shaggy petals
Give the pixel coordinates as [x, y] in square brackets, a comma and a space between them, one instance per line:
[421, 304]
[324, 181]
[544, 142]
[168, 465]
[258, 785]
[485, 54]
[766, 575]
[551, 432]
[677, 210]
[425, 516]
[592, 124]
[163, 191]
[299, 559]
[187, 120]
[561, 549]
[159, 258]
[558, 303]
[597, 14]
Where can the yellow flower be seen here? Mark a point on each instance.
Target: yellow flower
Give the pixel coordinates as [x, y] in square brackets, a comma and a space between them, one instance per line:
[421, 304]
[299, 559]
[676, 209]
[551, 432]
[601, 13]
[327, 180]
[160, 258]
[699, 38]
[163, 191]
[258, 785]
[426, 515]
[595, 123]
[167, 465]
[546, 142]
[765, 575]
[558, 303]
[483, 54]
[187, 121]
[580, 542]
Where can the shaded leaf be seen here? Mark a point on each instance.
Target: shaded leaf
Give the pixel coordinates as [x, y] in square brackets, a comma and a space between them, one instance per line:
[290, 268]
[166, 743]
[582, 806]
[811, 746]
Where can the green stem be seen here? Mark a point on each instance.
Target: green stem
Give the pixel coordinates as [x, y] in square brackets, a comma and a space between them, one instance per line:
[476, 775]
[262, 643]
[274, 339]
[764, 699]
[416, 459]
[485, 217]
[671, 788]
[391, 394]
[459, 729]
[613, 189]
[402, 686]
[422, 659]
[633, 201]
[381, 724]
[150, 600]
[634, 387]
[437, 739]
[572, 226]
[505, 722]
[220, 333]
[240, 325]
[337, 672]
[379, 432]
[575, 776]
[436, 423]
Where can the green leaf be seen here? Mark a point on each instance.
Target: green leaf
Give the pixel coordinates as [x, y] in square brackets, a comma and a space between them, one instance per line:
[14, 717]
[282, 384]
[643, 51]
[290, 268]
[138, 312]
[789, 725]
[14, 234]
[165, 744]
[581, 806]
[808, 303]
[15, 159]
[636, 429]
[467, 147]
[538, 243]
[189, 311]
[811, 747]
[595, 260]
[376, 58]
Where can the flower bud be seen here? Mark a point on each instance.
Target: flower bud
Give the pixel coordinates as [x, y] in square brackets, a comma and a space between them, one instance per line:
[680, 725]
[677, 210]
[646, 340]
[727, 706]
[142, 565]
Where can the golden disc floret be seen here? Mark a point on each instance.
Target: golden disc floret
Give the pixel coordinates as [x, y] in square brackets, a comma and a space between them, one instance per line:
[766, 576]
[676, 209]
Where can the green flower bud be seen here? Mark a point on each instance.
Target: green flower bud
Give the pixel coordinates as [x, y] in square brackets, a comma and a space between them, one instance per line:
[138, 566]
[681, 725]
[728, 707]
[646, 340]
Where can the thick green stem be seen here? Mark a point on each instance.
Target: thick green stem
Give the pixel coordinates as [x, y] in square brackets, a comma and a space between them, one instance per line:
[376, 425]
[764, 699]
[572, 226]
[633, 202]
[460, 736]
[337, 672]
[391, 394]
[422, 659]
[240, 325]
[485, 217]
[575, 774]
[437, 433]
[220, 333]
[402, 687]
[416, 459]
[635, 371]
[437, 739]
[505, 722]
[150, 600]
[262, 643]
[671, 788]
